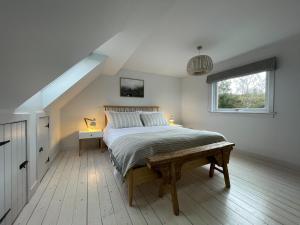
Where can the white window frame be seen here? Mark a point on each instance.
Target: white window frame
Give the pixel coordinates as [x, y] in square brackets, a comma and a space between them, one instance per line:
[269, 106]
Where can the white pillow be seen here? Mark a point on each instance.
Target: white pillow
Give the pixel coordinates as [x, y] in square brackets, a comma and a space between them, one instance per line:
[123, 119]
[153, 119]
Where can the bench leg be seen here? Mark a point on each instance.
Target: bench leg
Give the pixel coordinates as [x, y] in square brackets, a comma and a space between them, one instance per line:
[225, 157]
[130, 187]
[174, 190]
[211, 170]
[226, 175]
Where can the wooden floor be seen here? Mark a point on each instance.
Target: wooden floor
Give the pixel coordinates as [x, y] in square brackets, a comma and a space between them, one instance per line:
[83, 190]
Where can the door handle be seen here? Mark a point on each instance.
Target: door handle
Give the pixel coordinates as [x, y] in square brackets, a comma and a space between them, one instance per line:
[5, 214]
[41, 149]
[23, 164]
[4, 142]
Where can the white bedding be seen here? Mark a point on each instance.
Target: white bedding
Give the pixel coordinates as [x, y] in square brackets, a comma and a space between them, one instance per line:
[129, 147]
[111, 134]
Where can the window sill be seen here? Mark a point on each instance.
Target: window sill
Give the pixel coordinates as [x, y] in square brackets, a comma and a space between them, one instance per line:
[245, 113]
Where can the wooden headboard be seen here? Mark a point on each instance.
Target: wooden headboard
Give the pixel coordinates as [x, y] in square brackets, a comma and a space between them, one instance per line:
[121, 108]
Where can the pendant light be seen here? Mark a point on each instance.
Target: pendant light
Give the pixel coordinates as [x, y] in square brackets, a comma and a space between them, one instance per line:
[200, 64]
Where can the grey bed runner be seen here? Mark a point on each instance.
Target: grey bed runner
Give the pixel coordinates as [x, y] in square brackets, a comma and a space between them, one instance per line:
[131, 150]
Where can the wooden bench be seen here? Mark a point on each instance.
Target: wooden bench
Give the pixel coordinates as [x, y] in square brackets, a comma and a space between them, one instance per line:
[170, 165]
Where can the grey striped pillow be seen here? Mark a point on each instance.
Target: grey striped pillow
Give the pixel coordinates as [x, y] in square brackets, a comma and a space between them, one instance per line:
[123, 119]
[153, 119]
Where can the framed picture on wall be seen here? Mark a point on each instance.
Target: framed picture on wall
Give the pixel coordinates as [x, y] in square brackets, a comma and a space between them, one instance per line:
[131, 87]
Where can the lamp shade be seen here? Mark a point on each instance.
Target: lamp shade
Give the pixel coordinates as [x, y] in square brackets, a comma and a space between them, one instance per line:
[90, 123]
[200, 64]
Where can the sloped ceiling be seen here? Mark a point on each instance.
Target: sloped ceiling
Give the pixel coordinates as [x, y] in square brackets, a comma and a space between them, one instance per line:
[72, 81]
[41, 39]
[225, 28]
[142, 22]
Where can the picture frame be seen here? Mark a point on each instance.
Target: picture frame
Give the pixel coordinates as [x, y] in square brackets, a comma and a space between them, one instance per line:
[130, 87]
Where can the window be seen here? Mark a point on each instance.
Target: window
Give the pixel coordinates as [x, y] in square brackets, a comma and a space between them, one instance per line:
[251, 93]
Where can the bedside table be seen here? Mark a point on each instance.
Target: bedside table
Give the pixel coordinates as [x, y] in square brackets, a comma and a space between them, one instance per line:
[84, 135]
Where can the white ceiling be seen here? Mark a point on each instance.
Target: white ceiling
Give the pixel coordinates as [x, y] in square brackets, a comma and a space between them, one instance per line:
[143, 21]
[225, 28]
[41, 39]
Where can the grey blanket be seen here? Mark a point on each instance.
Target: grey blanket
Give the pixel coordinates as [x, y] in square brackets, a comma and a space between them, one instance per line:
[131, 150]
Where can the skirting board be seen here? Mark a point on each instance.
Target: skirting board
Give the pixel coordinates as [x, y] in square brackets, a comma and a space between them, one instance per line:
[269, 160]
[54, 154]
[32, 189]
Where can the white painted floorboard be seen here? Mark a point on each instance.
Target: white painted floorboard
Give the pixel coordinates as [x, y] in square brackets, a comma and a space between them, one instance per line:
[85, 191]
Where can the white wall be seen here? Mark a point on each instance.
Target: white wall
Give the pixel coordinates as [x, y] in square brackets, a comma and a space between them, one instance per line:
[276, 137]
[159, 90]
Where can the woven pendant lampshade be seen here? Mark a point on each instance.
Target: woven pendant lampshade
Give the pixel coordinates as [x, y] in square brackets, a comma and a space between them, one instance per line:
[200, 64]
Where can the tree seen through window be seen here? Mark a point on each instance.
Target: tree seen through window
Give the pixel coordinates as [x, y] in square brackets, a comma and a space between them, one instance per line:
[243, 92]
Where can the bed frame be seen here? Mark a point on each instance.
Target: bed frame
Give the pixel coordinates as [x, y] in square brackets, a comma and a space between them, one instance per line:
[168, 166]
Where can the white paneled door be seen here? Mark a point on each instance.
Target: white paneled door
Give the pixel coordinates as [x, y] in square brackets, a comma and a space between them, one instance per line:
[43, 146]
[13, 171]
[8, 172]
[2, 175]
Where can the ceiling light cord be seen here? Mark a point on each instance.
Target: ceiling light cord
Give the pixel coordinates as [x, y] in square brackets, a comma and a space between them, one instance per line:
[199, 48]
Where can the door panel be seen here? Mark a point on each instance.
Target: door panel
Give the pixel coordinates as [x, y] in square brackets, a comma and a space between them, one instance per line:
[19, 172]
[8, 174]
[12, 179]
[24, 158]
[43, 146]
[2, 176]
[14, 182]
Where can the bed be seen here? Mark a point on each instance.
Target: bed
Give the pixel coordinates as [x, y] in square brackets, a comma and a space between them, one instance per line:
[143, 154]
